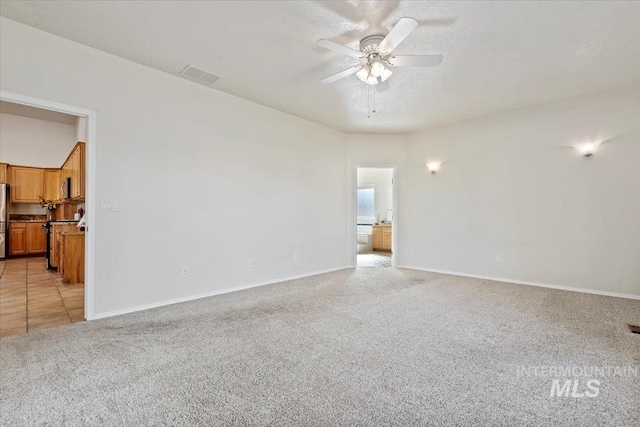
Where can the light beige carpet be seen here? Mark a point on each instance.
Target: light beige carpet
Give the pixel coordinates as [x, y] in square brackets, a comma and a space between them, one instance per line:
[355, 347]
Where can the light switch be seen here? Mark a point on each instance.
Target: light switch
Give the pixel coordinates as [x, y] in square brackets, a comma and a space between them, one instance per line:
[109, 206]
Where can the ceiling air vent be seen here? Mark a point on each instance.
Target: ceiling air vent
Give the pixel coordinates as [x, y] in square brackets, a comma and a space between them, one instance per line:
[198, 75]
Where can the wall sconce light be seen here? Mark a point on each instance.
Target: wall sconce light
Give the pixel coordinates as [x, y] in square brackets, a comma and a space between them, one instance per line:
[433, 166]
[587, 149]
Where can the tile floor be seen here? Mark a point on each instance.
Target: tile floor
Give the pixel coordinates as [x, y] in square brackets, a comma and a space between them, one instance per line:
[32, 297]
[374, 259]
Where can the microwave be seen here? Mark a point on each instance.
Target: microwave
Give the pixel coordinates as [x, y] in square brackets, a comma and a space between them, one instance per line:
[66, 188]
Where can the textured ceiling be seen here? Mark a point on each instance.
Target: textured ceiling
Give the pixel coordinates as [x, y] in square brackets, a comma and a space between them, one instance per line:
[497, 55]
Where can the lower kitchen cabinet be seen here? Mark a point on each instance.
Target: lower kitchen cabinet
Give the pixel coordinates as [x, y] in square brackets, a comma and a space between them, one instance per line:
[26, 238]
[36, 238]
[17, 238]
[71, 256]
[56, 230]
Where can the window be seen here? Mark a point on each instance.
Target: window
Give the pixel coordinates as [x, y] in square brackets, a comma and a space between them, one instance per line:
[366, 204]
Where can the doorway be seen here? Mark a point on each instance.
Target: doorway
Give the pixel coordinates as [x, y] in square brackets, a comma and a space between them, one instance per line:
[57, 268]
[375, 211]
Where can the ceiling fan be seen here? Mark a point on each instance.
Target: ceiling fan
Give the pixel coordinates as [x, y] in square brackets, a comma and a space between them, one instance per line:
[376, 51]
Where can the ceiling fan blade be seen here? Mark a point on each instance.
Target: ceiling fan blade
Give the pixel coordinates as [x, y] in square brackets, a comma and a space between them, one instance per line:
[415, 60]
[341, 74]
[382, 86]
[340, 48]
[403, 28]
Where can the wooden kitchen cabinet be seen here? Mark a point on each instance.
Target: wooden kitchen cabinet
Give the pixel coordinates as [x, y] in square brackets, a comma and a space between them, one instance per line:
[27, 238]
[387, 238]
[71, 256]
[74, 168]
[36, 238]
[17, 238]
[65, 172]
[78, 172]
[56, 230]
[26, 184]
[30, 184]
[376, 238]
[3, 172]
[382, 238]
[52, 185]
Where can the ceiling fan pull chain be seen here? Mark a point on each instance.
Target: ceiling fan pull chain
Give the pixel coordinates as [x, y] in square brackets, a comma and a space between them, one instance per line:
[374, 99]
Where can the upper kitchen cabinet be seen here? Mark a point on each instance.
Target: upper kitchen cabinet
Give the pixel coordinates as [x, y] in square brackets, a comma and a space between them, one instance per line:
[30, 184]
[52, 184]
[3, 172]
[26, 184]
[74, 168]
[77, 177]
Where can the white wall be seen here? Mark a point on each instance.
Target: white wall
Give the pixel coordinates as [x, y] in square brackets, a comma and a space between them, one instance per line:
[382, 178]
[512, 185]
[33, 142]
[204, 179]
[208, 180]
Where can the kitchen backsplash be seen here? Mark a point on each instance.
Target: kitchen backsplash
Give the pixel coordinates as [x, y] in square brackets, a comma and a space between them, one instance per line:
[25, 209]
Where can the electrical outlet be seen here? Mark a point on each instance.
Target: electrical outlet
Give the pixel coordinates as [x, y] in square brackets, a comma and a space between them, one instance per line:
[406, 250]
[296, 255]
[184, 272]
[249, 263]
[498, 258]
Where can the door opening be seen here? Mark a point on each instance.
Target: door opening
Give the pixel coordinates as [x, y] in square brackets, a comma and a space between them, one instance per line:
[56, 253]
[375, 211]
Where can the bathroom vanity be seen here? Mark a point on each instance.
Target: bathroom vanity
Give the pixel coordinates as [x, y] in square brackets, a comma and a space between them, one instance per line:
[382, 237]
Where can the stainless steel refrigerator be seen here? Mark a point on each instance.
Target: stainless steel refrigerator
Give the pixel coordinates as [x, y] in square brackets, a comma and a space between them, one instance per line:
[3, 221]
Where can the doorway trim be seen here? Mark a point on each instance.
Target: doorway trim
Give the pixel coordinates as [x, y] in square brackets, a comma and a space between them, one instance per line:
[90, 185]
[353, 245]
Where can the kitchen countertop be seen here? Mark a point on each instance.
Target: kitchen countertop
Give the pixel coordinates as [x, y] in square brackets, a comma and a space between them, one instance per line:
[62, 221]
[27, 218]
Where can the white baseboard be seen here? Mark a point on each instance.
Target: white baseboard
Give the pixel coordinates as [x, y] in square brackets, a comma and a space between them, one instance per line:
[523, 282]
[208, 294]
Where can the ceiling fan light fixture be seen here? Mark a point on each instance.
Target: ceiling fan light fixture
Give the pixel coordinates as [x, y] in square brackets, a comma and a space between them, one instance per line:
[385, 74]
[371, 80]
[363, 73]
[377, 69]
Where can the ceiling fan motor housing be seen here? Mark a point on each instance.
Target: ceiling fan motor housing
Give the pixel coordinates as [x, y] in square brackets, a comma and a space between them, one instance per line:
[369, 45]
